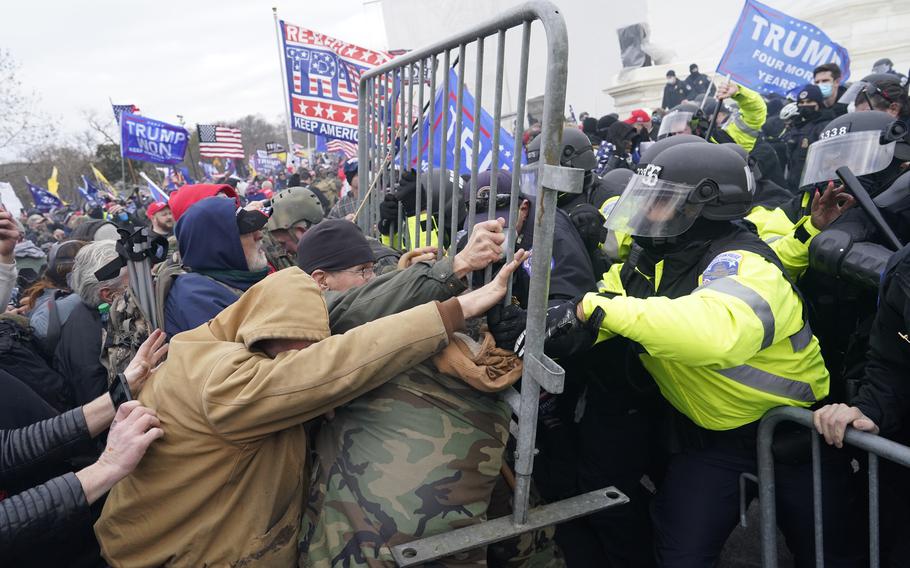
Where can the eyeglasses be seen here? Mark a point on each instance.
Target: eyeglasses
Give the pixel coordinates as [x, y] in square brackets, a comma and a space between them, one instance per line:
[366, 272]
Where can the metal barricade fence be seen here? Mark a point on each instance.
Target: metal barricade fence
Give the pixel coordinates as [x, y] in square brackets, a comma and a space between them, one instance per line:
[389, 125]
[876, 446]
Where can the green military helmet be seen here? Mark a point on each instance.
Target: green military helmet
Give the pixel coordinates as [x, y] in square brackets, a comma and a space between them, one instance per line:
[292, 206]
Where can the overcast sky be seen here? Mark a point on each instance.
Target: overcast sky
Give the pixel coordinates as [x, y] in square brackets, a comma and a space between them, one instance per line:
[204, 59]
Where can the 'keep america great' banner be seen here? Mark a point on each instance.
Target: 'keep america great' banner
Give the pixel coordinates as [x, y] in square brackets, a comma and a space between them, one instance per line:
[323, 76]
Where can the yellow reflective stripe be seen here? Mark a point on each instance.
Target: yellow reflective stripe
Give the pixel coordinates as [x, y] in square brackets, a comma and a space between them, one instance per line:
[770, 383]
[759, 306]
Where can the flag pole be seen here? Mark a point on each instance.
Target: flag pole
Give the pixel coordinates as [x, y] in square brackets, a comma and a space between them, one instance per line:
[189, 147]
[284, 86]
[122, 159]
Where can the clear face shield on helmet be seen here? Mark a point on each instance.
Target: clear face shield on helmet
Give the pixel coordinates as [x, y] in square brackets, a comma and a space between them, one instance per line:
[651, 207]
[862, 152]
[675, 122]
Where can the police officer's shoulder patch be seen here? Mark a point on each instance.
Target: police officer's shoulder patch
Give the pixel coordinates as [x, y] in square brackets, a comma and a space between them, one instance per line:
[725, 264]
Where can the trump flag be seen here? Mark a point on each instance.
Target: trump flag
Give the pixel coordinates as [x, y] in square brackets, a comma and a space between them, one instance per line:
[323, 77]
[772, 52]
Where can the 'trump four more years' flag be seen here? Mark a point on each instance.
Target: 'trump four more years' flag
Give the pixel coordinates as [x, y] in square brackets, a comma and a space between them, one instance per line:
[485, 152]
[220, 141]
[44, 200]
[152, 141]
[772, 52]
[323, 77]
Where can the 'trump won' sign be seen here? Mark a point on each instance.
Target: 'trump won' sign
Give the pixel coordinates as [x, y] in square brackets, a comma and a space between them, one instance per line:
[150, 140]
[772, 52]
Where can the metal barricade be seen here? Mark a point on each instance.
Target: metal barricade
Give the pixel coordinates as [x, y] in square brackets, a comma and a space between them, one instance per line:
[389, 125]
[876, 446]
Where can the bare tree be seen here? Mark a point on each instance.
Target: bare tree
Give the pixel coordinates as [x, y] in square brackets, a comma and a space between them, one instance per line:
[22, 126]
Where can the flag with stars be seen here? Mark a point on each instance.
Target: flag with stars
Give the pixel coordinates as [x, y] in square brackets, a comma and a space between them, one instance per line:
[323, 78]
[485, 141]
[120, 109]
[771, 52]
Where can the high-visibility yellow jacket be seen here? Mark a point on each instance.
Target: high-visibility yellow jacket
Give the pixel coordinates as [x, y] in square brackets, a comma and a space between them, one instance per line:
[410, 240]
[727, 352]
[745, 126]
[788, 239]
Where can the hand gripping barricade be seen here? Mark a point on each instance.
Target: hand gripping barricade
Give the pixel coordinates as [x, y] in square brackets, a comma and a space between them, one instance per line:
[876, 446]
[392, 140]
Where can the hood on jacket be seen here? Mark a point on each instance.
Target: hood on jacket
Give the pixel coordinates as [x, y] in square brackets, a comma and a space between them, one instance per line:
[262, 311]
[208, 238]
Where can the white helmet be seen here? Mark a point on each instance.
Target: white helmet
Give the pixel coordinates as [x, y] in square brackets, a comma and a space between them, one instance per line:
[789, 111]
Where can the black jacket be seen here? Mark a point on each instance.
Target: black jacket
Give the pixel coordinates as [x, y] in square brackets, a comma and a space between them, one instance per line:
[798, 140]
[696, 84]
[674, 94]
[78, 355]
[54, 507]
[884, 392]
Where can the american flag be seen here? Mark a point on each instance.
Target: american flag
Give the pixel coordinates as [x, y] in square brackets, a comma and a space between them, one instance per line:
[120, 109]
[220, 142]
[349, 149]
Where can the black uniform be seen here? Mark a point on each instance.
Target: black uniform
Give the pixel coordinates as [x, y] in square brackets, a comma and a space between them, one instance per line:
[697, 84]
[803, 133]
[674, 94]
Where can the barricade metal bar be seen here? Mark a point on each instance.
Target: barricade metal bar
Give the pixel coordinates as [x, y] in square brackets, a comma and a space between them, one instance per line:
[475, 135]
[497, 123]
[460, 540]
[874, 550]
[876, 446]
[364, 170]
[430, 131]
[817, 502]
[417, 198]
[443, 154]
[459, 123]
[383, 143]
[743, 504]
[518, 132]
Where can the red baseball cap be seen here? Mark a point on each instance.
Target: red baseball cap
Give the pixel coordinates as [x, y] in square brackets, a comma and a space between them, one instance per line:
[183, 198]
[638, 115]
[155, 207]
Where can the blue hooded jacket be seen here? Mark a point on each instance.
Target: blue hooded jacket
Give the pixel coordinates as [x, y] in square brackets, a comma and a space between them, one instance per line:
[210, 249]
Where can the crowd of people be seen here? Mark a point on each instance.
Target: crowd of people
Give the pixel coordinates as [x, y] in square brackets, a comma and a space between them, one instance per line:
[316, 395]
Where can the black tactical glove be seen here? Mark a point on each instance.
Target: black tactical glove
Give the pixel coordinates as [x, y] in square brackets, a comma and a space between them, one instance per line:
[565, 334]
[589, 223]
[388, 214]
[507, 324]
[406, 191]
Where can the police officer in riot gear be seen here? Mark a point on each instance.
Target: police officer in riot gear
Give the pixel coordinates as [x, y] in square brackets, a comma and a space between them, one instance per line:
[583, 208]
[431, 194]
[875, 149]
[812, 119]
[686, 300]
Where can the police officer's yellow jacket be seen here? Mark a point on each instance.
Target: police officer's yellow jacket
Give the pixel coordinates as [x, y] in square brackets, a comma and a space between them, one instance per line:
[727, 352]
[410, 241]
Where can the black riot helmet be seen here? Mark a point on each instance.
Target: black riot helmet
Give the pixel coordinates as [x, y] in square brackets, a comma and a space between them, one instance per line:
[577, 151]
[654, 149]
[682, 184]
[685, 118]
[872, 144]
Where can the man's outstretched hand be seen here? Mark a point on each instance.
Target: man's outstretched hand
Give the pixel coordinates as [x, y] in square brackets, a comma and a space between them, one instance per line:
[476, 302]
[484, 247]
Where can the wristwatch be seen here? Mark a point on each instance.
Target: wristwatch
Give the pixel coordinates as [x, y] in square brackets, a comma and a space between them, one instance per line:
[119, 391]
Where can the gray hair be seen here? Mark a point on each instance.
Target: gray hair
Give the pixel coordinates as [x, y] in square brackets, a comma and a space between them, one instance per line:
[89, 259]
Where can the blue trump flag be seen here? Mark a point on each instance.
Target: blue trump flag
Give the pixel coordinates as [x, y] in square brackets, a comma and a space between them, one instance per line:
[45, 201]
[89, 192]
[485, 140]
[152, 141]
[772, 52]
